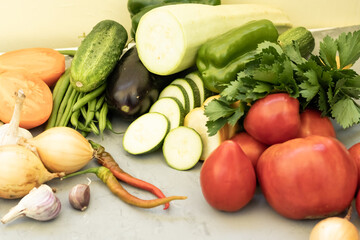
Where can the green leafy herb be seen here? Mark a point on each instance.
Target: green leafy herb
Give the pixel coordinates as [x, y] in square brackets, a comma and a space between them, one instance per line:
[323, 81]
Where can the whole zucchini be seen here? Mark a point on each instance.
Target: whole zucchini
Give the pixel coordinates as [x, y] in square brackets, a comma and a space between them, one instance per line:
[131, 88]
[97, 55]
[135, 6]
[302, 36]
[168, 37]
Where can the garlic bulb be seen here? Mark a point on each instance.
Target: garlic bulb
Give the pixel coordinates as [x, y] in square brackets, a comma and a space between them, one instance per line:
[62, 149]
[41, 204]
[10, 133]
[21, 170]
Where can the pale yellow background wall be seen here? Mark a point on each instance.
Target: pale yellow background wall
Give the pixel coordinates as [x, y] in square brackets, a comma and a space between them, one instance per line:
[60, 23]
[54, 23]
[316, 13]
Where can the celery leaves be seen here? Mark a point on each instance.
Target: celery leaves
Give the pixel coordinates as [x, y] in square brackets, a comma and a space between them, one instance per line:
[323, 81]
[349, 48]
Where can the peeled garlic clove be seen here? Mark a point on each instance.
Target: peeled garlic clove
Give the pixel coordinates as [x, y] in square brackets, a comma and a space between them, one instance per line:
[40, 204]
[79, 196]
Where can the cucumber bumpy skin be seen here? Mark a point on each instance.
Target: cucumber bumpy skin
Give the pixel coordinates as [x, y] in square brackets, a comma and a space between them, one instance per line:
[97, 55]
[302, 36]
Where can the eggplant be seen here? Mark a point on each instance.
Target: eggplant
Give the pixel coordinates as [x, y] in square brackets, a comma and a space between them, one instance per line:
[131, 88]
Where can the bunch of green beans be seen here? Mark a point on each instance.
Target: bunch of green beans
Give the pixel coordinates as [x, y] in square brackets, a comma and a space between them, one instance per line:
[86, 112]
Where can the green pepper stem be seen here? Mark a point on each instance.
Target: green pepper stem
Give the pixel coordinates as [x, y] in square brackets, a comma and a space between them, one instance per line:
[89, 170]
[97, 147]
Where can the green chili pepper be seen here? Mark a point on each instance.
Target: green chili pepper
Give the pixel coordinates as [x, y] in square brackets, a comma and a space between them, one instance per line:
[221, 59]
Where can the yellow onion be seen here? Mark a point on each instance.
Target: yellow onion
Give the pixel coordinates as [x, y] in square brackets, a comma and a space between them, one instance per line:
[62, 149]
[334, 228]
[20, 171]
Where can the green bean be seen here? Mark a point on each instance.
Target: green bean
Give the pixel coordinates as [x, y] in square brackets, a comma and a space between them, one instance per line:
[84, 133]
[68, 52]
[62, 83]
[63, 104]
[83, 112]
[58, 95]
[80, 96]
[97, 115]
[67, 113]
[88, 97]
[93, 127]
[109, 125]
[103, 117]
[82, 127]
[90, 112]
[100, 102]
[74, 120]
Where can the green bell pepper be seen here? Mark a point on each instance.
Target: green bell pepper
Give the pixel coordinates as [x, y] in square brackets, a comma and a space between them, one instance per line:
[221, 59]
[135, 6]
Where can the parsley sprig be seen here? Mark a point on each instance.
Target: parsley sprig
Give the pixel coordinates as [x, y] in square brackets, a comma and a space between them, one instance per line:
[324, 81]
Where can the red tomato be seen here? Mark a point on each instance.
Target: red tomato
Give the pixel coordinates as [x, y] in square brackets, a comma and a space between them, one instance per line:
[227, 178]
[251, 147]
[357, 203]
[312, 123]
[310, 177]
[355, 153]
[273, 119]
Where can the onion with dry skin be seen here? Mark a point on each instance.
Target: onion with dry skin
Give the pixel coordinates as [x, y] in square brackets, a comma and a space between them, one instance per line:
[62, 149]
[335, 228]
[20, 171]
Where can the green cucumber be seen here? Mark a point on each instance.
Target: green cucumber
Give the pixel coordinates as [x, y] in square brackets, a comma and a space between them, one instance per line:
[178, 92]
[146, 133]
[97, 55]
[182, 148]
[302, 36]
[172, 109]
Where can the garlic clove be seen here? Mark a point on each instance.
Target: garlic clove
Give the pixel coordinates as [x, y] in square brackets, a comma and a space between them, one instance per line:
[40, 204]
[79, 196]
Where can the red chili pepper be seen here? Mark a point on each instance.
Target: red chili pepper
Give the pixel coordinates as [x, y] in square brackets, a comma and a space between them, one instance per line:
[106, 160]
[113, 184]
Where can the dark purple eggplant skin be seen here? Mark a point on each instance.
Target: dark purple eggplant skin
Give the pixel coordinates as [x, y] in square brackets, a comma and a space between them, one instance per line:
[131, 88]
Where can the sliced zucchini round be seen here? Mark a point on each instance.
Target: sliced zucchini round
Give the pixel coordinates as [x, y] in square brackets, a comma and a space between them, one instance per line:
[195, 77]
[178, 92]
[172, 109]
[191, 90]
[182, 148]
[146, 133]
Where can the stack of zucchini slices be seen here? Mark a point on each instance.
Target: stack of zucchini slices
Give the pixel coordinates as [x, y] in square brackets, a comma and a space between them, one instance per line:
[163, 126]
